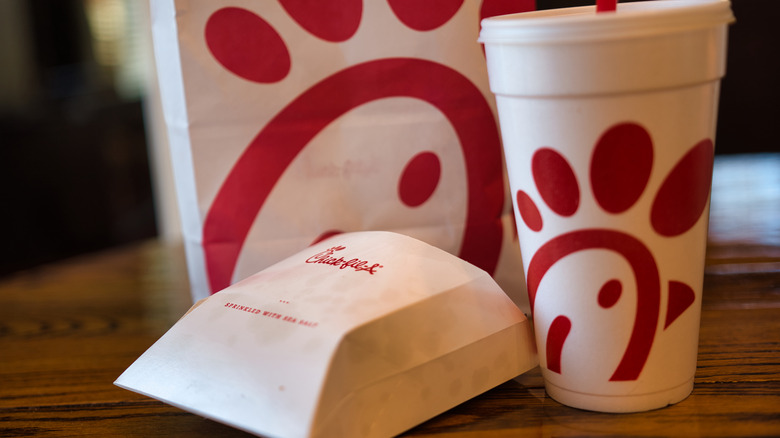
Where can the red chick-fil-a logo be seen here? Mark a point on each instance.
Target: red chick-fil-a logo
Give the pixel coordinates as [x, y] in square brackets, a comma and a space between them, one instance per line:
[326, 258]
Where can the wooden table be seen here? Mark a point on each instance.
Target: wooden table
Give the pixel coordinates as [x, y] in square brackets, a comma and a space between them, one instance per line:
[67, 330]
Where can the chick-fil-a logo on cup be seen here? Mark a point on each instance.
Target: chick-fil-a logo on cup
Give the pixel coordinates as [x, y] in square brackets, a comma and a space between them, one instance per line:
[326, 257]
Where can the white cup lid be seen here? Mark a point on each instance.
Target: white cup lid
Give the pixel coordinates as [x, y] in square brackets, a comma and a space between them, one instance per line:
[584, 24]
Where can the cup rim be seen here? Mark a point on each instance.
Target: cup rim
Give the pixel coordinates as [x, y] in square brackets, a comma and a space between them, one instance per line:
[583, 24]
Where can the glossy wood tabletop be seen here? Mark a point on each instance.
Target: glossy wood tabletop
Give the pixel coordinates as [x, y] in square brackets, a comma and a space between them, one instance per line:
[67, 331]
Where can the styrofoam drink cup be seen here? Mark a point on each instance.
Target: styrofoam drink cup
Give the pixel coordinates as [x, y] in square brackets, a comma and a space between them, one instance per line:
[608, 122]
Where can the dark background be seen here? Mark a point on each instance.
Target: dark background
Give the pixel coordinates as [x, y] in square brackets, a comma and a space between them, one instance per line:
[75, 172]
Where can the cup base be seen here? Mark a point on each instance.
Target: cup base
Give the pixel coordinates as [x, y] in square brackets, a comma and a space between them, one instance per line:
[620, 403]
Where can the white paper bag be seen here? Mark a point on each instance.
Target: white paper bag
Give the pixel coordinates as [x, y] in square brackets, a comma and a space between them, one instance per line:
[366, 334]
[291, 120]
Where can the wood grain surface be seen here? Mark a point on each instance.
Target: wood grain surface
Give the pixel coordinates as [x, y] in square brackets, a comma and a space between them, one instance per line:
[67, 331]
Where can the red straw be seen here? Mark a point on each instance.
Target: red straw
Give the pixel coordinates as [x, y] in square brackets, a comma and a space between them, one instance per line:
[606, 5]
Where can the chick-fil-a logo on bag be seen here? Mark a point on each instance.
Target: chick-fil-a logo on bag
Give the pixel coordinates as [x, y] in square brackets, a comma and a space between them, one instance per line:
[327, 258]
[251, 48]
[620, 168]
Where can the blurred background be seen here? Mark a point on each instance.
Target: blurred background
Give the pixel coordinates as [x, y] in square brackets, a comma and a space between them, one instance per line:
[83, 152]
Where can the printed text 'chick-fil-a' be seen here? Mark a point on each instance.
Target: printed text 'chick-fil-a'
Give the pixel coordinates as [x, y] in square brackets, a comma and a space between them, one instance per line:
[326, 257]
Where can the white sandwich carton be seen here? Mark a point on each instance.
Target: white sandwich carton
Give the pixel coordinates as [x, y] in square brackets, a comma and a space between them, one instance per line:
[365, 334]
